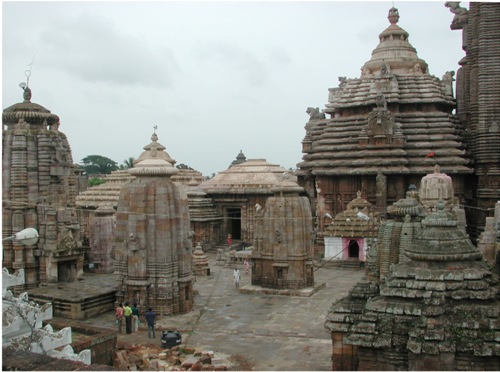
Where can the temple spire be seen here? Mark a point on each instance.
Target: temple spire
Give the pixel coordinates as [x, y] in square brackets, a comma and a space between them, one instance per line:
[393, 16]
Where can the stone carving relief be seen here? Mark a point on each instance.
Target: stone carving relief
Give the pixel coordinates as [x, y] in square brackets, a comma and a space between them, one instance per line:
[461, 16]
[417, 69]
[447, 81]
[385, 70]
[315, 113]
[67, 241]
[380, 124]
[277, 234]
[22, 125]
[27, 94]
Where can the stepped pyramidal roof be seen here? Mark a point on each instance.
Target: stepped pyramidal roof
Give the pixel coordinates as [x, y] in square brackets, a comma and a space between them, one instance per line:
[395, 118]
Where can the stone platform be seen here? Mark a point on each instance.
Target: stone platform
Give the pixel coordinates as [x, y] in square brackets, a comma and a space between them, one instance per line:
[271, 332]
[304, 292]
[92, 295]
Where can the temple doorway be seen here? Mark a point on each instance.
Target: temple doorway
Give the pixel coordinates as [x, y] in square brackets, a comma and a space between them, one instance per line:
[66, 271]
[353, 249]
[234, 222]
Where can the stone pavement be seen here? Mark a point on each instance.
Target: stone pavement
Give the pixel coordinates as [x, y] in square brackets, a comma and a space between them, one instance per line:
[271, 332]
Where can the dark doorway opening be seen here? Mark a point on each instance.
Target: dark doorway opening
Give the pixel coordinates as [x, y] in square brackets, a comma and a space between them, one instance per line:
[234, 222]
[353, 249]
[66, 271]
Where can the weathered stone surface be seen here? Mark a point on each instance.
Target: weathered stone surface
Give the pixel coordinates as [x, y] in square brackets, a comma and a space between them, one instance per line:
[440, 304]
[39, 186]
[153, 246]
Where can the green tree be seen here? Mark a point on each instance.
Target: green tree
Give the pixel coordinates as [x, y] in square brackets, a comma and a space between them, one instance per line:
[127, 163]
[94, 181]
[97, 164]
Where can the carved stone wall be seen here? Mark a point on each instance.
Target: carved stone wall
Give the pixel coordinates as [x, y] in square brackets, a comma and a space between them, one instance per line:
[386, 130]
[153, 241]
[39, 186]
[478, 93]
[283, 247]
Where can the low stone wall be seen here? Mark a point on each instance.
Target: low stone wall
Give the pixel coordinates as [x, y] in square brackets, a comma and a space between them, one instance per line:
[21, 360]
[100, 341]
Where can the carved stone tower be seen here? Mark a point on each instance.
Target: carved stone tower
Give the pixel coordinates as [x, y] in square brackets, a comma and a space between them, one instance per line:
[39, 186]
[153, 245]
[283, 248]
[387, 129]
[437, 309]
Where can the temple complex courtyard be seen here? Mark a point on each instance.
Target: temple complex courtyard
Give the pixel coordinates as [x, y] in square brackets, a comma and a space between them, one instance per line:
[269, 332]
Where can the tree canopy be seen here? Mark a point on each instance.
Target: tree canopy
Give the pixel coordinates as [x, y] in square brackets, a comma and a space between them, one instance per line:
[97, 164]
[127, 163]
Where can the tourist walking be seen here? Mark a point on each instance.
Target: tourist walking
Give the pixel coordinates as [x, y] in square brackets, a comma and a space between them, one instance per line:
[229, 240]
[236, 277]
[119, 317]
[135, 318]
[246, 266]
[127, 311]
[151, 321]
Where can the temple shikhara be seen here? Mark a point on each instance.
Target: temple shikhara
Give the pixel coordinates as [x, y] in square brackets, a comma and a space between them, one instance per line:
[387, 129]
[39, 187]
[153, 246]
[399, 181]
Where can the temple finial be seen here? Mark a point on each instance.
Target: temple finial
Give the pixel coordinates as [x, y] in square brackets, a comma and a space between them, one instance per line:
[393, 16]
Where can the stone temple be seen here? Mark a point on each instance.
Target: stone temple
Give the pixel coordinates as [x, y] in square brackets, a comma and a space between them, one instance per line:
[39, 186]
[283, 244]
[152, 237]
[437, 309]
[387, 129]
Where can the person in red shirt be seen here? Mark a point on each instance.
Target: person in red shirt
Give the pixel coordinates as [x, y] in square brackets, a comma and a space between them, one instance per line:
[119, 317]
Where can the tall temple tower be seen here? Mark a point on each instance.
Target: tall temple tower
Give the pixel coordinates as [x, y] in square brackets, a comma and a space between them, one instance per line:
[478, 97]
[386, 130]
[39, 187]
[153, 242]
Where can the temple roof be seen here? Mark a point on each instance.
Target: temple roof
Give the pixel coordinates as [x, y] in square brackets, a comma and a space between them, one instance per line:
[395, 50]
[394, 119]
[154, 161]
[252, 176]
[31, 112]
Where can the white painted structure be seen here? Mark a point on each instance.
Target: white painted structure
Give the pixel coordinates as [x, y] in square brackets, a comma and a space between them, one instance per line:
[22, 324]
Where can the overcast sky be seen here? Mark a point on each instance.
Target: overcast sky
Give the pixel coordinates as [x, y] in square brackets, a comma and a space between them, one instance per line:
[215, 77]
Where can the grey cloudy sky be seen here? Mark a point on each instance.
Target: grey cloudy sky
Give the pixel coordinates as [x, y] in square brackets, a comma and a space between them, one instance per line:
[215, 77]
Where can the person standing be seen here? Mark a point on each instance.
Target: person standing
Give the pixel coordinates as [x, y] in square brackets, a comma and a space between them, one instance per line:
[236, 277]
[119, 317]
[151, 320]
[127, 311]
[135, 318]
[246, 265]
[229, 240]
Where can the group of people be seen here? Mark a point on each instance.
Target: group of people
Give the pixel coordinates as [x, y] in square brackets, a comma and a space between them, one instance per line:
[131, 315]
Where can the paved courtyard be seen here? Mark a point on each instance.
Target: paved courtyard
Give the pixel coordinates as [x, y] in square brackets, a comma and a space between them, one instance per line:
[271, 332]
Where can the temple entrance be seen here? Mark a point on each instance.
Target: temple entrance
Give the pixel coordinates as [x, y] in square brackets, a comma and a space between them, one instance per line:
[234, 222]
[353, 249]
[66, 271]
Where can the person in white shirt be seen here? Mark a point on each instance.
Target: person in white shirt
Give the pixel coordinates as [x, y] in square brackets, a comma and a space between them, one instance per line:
[236, 277]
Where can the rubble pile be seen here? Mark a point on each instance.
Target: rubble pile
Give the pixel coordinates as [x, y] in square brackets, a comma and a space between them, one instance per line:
[178, 358]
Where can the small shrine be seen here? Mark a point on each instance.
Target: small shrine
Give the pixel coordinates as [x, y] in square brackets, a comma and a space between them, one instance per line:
[283, 247]
[200, 262]
[352, 231]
